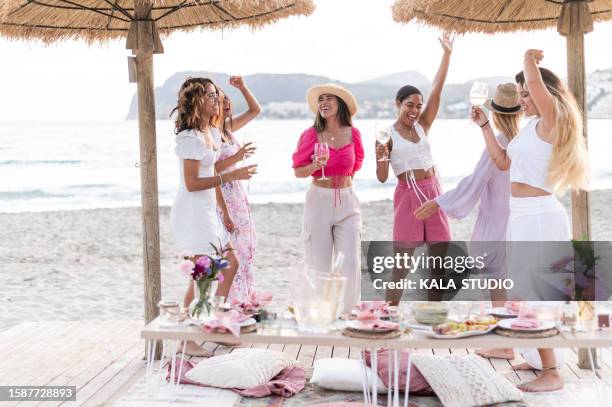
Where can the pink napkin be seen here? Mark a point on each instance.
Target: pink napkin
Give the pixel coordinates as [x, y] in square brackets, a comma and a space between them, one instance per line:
[513, 307]
[252, 303]
[525, 323]
[527, 318]
[287, 383]
[225, 322]
[378, 325]
[378, 308]
[418, 384]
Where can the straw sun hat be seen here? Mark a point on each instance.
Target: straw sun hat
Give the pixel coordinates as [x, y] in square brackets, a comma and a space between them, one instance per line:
[312, 96]
[505, 100]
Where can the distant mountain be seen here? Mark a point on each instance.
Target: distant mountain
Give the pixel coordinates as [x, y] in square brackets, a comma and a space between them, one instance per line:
[400, 79]
[282, 96]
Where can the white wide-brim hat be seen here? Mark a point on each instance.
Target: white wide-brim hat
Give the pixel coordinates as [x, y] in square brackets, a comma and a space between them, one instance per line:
[312, 96]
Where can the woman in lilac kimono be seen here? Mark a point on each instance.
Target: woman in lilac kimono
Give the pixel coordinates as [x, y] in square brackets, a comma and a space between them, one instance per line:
[236, 213]
[491, 187]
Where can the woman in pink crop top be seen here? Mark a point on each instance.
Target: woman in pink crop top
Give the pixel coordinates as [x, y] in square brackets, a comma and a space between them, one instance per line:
[332, 218]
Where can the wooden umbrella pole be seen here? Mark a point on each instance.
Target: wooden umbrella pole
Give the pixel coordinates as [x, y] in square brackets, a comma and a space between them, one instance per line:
[576, 77]
[148, 160]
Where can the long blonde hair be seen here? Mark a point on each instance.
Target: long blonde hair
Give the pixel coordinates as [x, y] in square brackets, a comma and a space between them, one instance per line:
[568, 168]
[507, 124]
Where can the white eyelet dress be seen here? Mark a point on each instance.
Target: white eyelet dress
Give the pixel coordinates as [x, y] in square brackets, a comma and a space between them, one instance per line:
[195, 224]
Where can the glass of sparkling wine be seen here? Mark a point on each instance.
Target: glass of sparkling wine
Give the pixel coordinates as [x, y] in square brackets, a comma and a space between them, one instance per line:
[383, 135]
[321, 151]
[479, 93]
[246, 138]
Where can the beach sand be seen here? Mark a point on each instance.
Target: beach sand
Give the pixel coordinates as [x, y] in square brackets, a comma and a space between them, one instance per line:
[87, 264]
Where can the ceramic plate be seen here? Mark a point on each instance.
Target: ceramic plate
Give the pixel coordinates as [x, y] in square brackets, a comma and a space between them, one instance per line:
[501, 312]
[465, 334]
[357, 326]
[507, 324]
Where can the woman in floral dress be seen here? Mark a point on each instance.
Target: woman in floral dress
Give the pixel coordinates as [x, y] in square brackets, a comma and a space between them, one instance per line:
[236, 215]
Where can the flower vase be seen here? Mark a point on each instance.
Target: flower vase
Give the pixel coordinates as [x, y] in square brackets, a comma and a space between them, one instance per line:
[201, 307]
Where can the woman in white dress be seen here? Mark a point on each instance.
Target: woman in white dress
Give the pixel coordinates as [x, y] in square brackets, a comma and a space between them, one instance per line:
[194, 219]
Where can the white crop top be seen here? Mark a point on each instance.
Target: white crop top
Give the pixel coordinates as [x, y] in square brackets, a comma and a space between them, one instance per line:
[406, 155]
[530, 157]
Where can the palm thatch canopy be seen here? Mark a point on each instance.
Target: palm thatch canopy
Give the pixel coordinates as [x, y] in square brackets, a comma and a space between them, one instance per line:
[489, 16]
[102, 20]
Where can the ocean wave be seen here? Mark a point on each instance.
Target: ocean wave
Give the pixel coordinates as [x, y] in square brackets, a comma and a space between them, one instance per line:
[40, 162]
[30, 194]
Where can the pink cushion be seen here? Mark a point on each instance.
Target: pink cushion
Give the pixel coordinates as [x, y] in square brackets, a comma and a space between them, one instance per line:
[418, 384]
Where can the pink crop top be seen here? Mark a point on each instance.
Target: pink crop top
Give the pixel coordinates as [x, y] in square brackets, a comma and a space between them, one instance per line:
[345, 160]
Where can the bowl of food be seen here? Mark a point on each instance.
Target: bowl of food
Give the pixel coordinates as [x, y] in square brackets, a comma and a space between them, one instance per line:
[430, 313]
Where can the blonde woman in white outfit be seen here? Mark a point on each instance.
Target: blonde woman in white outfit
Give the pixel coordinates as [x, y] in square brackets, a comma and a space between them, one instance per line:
[195, 224]
[548, 155]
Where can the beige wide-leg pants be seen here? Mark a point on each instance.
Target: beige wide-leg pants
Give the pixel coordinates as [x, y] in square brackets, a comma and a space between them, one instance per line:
[332, 224]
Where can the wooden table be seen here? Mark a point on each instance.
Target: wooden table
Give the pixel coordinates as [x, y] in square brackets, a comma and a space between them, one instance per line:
[416, 339]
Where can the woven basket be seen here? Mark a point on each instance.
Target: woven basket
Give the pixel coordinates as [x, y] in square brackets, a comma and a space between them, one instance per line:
[353, 333]
[525, 334]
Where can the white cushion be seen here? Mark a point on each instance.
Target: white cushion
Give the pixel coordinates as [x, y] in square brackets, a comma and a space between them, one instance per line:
[342, 374]
[461, 381]
[241, 369]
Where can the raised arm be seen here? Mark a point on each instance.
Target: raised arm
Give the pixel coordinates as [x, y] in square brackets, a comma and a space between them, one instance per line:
[541, 97]
[433, 103]
[497, 153]
[253, 110]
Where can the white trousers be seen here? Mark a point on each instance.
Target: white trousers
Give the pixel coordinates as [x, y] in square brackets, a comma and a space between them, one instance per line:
[332, 224]
[532, 219]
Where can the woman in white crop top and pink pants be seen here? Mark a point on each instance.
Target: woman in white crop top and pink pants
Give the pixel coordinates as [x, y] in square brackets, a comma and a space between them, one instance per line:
[412, 163]
[548, 155]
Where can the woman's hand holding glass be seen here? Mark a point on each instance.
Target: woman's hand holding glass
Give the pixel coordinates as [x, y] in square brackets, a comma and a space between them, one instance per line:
[478, 116]
[382, 152]
[242, 173]
[247, 150]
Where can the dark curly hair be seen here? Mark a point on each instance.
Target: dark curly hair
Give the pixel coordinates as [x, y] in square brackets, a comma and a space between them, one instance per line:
[190, 103]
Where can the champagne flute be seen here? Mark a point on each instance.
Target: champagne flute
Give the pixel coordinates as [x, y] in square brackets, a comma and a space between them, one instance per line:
[479, 93]
[246, 138]
[322, 152]
[383, 135]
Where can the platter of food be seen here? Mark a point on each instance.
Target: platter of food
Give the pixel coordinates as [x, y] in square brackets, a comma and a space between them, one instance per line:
[471, 327]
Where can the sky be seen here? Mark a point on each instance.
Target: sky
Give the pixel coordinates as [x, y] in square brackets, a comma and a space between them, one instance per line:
[348, 40]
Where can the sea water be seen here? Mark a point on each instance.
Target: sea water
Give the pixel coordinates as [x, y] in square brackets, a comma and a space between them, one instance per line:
[73, 165]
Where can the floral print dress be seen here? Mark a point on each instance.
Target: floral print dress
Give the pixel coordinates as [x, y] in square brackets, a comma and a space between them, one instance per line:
[243, 238]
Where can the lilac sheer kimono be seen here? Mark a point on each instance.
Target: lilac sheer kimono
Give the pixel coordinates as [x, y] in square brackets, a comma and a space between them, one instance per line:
[491, 187]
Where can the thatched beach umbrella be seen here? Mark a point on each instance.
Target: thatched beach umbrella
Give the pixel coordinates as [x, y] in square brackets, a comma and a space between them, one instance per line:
[573, 19]
[142, 23]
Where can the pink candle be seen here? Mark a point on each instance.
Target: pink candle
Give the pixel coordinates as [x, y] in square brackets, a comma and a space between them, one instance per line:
[482, 308]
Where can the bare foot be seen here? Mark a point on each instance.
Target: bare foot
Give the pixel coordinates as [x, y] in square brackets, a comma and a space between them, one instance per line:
[549, 380]
[507, 354]
[523, 366]
[193, 349]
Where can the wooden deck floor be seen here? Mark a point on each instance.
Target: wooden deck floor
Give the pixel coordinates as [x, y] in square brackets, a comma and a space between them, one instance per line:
[104, 359]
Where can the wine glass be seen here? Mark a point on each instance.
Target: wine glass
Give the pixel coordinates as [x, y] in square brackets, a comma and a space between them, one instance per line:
[321, 151]
[479, 93]
[246, 138]
[383, 135]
